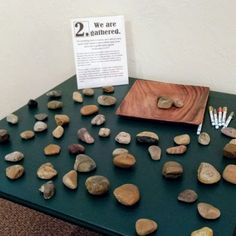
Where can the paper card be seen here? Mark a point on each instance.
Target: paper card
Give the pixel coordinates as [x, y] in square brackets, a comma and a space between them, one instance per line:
[100, 51]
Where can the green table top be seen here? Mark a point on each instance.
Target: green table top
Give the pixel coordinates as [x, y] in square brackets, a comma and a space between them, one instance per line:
[158, 195]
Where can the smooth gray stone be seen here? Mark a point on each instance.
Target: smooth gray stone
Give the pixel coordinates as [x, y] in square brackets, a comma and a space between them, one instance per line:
[105, 100]
[40, 126]
[41, 116]
[54, 94]
[84, 163]
[14, 156]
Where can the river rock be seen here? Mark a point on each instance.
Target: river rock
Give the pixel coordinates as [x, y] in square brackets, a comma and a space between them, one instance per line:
[124, 160]
[178, 103]
[208, 211]
[127, 194]
[62, 119]
[176, 150]
[84, 163]
[147, 137]
[14, 156]
[55, 105]
[97, 185]
[183, 139]
[4, 136]
[98, 120]
[88, 92]
[229, 131]
[54, 94]
[188, 196]
[76, 148]
[155, 152]
[233, 141]
[52, 149]
[205, 231]
[123, 138]
[40, 126]
[230, 151]
[88, 110]
[207, 173]
[119, 151]
[77, 97]
[104, 132]
[145, 226]
[48, 189]
[41, 116]
[70, 179]
[12, 119]
[46, 171]
[229, 173]
[204, 138]
[32, 103]
[15, 171]
[164, 102]
[27, 134]
[105, 100]
[108, 89]
[58, 132]
[85, 136]
[172, 170]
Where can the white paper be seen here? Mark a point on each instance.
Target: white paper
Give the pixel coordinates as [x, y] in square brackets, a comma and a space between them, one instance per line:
[100, 51]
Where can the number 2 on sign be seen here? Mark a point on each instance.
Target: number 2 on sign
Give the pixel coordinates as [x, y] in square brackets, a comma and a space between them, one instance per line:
[82, 29]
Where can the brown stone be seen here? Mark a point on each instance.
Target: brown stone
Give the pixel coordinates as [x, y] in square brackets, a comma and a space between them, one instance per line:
[62, 119]
[229, 173]
[208, 211]
[172, 170]
[164, 102]
[97, 185]
[205, 231]
[46, 171]
[145, 226]
[52, 149]
[48, 189]
[183, 139]
[84, 163]
[188, 196]
[70, 179]
[27, 134]
[108, 89]
[230, 151]
[77, 97]
[76, 148]
[4, 135]
[125, 160]
[147, 137]
[207, 173]
[229, 131]
[85, 136]
[88, 110]
[204, 138]
[15, 171]
[105, 100]
[176, 150]
[88, 92]
[127, 194]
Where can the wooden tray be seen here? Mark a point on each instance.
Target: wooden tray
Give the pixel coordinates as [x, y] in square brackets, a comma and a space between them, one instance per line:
[141, 102]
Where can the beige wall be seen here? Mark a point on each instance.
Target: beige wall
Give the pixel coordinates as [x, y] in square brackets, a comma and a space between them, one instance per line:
[185, 41]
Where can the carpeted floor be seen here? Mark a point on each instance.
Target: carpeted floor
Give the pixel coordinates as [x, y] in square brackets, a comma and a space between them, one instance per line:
[19, 220]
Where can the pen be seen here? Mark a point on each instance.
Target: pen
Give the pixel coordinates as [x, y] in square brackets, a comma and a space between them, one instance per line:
[211, 115]
[216, 120]
[199, 129]
[229, 119]
[220, 116]
[224, 115]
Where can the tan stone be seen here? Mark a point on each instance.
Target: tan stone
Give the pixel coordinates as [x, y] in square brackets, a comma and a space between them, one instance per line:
[127, 194]
[27, 134]
[15, 171]
[145, 226]
[155, 152]
[176, 150]
[46, 171]
[105, 100]
[77, 97]
[97, 185]
[207, 173]
[88, 110]
[62, 119]
[183, 139]
[233, 141]
[58, 132]
[125, 160]
[88, 92]
[70, 179]
[119, 151]
[164, 102]
[229, 131]
[204, 138]
[208, 211]
[172, 170]
[205, 231]
[54, 105]
[108, 89]
[229, 173]
[52, 149]
[187, 196]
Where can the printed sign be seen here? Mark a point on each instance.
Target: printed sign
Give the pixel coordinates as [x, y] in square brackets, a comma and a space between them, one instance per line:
[100, 51]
